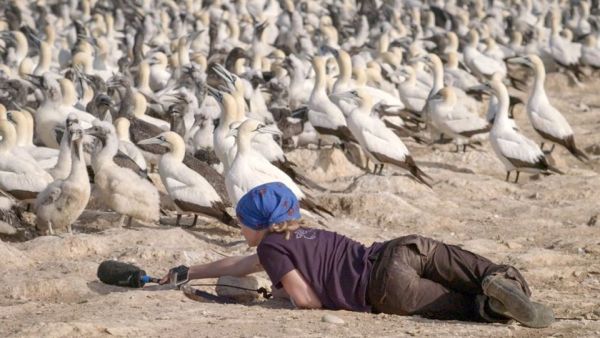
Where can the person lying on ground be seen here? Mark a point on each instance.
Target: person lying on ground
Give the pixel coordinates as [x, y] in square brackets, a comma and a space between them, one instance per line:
[409, 275]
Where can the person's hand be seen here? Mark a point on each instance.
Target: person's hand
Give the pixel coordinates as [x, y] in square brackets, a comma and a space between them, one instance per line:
[166, 279]
[179, 273]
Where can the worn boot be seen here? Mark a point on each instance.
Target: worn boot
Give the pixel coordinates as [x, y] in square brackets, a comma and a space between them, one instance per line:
[508, 299]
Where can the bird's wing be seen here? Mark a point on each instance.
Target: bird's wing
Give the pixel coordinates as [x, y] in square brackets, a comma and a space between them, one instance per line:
[202, 194]
[266, 145]
[517, 146]
[486, 65]
[460, 120]
[565, 52]
[133, 152]
[265, 172]
[550, 121]
[50, 194]
[379, 95]
[381, 140]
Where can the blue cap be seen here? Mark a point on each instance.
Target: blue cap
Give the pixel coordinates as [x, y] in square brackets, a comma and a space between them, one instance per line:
[267, 204]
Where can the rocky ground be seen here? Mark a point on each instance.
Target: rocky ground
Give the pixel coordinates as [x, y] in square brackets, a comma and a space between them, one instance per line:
[545, 226]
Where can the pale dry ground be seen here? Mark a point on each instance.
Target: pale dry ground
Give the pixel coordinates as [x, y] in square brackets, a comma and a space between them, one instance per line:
[48, 286]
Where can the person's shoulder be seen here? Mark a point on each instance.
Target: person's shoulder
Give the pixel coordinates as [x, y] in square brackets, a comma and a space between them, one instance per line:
[271, 240]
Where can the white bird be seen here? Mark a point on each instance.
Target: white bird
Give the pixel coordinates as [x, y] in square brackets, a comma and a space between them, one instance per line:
[565, 52]
[159, 75]
[412, 92]
[119, 188]
[448, 116]
[63, 201]
[19, 177]
[52, 113]
[590, 53]
[127, 147]
[381, 144]
[46, 157]
[514, 150]
[249, 169]
[545, 119]
[456, 77]
[190, 191]
[478, 63]
[324, 115]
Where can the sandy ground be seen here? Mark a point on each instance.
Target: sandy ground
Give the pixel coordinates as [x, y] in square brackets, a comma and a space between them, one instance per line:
[48, 286]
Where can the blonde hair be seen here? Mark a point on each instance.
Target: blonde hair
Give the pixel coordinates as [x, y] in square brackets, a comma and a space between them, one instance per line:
[287, 227]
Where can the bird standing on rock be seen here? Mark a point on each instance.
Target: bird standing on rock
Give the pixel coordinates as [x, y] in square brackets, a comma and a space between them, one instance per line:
[188, 189]
[516, 151]
[119, 188]
[545, 119]
[380, 144]
[63, 201]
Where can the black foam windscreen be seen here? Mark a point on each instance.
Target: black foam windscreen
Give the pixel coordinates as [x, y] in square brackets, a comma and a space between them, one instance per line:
[121, 274]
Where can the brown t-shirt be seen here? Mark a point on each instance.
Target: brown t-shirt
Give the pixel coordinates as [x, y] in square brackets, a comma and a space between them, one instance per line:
[336, 267]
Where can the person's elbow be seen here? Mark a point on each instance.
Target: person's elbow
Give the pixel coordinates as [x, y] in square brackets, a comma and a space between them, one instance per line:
[307, 303]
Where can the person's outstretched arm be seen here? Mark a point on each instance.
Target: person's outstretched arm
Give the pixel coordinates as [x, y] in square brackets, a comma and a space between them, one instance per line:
[231, 266]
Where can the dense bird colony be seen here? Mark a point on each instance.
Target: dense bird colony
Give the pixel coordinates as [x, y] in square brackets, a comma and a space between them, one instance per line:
[151, 108]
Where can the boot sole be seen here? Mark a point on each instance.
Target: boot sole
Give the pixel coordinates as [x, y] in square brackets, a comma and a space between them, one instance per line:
[516, 304]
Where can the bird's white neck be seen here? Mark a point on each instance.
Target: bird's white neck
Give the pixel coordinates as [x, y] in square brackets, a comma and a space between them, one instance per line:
[540, 78]
[345, 65]
[320, 80]
[105, 155]
[176, 151]
[22, 46]
[240, 103]
[438, 74]
[78, 167]
[229, 114]
[366, 104]
[69, 97]
[22, 129]
[501, 119]
[64, 153]
[144, 76]
[44, 60]
[244, 146]
[9, 136]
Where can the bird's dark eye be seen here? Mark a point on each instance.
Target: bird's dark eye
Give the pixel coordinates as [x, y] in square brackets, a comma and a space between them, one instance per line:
[161, 138]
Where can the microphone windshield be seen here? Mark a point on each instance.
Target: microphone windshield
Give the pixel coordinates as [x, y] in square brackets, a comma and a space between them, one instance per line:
[121, 274]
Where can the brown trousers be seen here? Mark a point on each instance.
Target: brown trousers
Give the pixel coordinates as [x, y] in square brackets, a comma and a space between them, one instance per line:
[414, 275]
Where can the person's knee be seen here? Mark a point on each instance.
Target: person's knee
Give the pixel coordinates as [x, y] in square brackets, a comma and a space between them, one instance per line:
[403, 287]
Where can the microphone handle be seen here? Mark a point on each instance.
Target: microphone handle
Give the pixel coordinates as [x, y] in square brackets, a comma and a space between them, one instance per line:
[147, 279]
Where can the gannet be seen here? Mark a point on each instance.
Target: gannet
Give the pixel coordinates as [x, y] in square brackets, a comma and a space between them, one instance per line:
[249, 169]
[63, 201]
[546, 119]
[456, 77]
[23, 121]
[449, 117]
[51, 114]
[63, 164]
[324, 115]
[590, 53]
[121, 189]
[127, 147]
[478, 63]
[20, 177]
[188, 189]
[412, 92]
[381, 144]
[159, 75]
[514, 150]
[565, 52]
